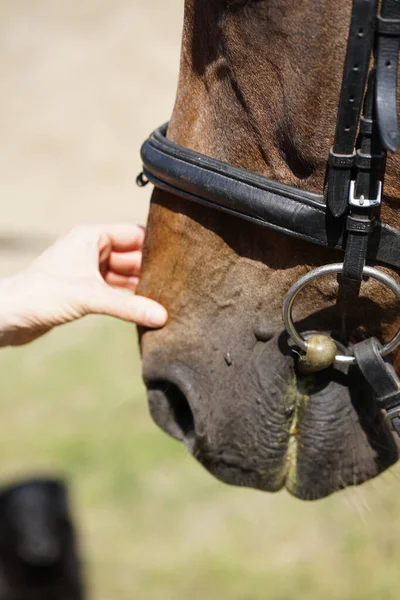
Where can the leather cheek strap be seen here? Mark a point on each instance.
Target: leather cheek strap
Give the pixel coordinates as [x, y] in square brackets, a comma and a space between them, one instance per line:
[382, 378]
[342, 154]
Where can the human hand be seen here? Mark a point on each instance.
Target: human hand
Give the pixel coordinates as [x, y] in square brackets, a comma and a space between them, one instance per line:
[75, 277]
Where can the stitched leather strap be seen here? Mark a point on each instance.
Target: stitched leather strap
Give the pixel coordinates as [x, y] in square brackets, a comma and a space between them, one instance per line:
[356, 247]
[382, 378]
[342, 154]
[388, 27]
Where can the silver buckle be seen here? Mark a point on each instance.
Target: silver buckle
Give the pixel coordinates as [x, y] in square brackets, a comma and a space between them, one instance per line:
[363, 202]
[392, 413]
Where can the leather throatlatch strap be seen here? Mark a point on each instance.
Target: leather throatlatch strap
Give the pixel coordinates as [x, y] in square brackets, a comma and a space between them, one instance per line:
[342, 154]
[382, 378]
[387, 52]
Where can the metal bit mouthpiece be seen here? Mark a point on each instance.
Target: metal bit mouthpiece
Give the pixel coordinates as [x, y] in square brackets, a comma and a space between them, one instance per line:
[320, 354]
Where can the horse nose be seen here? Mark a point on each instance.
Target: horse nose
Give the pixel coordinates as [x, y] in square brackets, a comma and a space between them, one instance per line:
[173, 402]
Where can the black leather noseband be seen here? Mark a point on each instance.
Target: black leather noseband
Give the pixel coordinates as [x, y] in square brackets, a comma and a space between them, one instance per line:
[284, 208]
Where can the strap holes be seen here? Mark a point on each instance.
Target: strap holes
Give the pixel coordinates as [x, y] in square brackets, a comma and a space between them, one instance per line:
[360, 32]
[347, 128]
[355, 68]
[388, 63]
[351, 99]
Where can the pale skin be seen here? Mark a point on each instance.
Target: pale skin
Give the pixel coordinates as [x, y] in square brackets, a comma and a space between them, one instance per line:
[94, 269]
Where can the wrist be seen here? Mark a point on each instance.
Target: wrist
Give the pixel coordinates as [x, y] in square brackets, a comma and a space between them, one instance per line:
[12, 331]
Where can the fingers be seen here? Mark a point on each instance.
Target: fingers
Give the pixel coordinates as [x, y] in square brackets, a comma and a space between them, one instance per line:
[123, 237]
[122, 263]
[104, 247]
[121, 269]
[114, 279]
[128, 307]
[125, 263]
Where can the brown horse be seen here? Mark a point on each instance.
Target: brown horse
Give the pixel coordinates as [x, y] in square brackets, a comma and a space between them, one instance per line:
[259, 88]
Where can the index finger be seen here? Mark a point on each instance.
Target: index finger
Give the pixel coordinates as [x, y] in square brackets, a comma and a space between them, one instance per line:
[123, 237]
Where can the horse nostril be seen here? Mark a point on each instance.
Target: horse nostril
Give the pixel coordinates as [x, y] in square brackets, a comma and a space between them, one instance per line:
[171, 411]
[181, 409]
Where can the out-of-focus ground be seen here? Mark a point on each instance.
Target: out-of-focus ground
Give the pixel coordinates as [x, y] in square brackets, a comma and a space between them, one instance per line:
[82, 84]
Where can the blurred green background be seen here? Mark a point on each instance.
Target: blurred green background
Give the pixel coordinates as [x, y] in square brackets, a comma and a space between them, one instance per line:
[82, 84]
[153, 524]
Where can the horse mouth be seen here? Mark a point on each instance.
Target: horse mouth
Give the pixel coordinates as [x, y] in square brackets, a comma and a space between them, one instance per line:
[325, 433]
[334, 437]
[233, 472]
[258, 422]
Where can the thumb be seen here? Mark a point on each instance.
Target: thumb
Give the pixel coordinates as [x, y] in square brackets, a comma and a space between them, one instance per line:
[127, 306]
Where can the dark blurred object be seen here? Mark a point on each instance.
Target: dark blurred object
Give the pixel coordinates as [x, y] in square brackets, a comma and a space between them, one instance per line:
[38, 553]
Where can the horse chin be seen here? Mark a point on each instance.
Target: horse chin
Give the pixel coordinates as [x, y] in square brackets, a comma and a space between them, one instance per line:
[335, 437]
[267, 427]
[341, 437]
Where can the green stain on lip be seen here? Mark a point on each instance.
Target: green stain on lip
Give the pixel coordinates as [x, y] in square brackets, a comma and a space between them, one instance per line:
[296, 405]
[297, 401]
[291, 457]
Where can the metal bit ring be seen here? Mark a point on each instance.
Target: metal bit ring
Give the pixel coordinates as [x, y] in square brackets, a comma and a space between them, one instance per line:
[333, 269]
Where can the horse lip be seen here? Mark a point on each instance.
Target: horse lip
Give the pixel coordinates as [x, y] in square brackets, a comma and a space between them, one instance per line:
[211, 460]
[231, 470]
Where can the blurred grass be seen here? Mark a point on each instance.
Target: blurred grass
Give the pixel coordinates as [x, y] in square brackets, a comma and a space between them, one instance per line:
[153, 523]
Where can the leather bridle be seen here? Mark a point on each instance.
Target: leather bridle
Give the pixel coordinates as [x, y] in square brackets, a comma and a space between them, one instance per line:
[346, 216]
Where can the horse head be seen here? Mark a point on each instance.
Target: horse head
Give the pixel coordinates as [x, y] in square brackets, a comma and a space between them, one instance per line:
[259, 88]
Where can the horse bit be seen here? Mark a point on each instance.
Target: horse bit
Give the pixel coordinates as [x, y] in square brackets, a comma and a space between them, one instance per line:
[345, 217]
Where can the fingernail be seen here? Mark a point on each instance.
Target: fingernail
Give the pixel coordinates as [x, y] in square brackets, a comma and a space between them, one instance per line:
[156, 316]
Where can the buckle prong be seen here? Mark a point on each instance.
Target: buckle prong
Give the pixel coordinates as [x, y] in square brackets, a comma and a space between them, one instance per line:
[363, 202]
